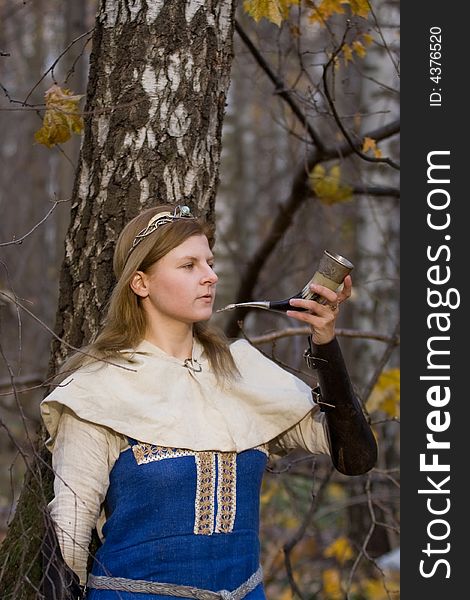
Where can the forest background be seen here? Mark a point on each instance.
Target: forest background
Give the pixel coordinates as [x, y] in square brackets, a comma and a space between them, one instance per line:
[309, 159]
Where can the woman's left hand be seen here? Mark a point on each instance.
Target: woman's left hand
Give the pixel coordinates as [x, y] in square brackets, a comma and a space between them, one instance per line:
[321, 317]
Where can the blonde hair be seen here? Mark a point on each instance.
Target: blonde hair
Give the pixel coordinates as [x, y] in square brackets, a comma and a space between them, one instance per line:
[125, 322]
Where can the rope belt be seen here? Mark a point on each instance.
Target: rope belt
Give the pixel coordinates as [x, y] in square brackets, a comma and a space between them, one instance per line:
[121, 584]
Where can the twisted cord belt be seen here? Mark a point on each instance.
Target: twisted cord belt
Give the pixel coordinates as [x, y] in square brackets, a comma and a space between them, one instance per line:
[121, 584]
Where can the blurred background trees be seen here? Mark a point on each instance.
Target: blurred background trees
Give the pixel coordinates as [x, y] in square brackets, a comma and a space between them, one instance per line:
[309, 162]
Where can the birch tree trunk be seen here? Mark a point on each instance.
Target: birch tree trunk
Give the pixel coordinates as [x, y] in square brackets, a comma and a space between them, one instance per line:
[159, 74]
[158, 80]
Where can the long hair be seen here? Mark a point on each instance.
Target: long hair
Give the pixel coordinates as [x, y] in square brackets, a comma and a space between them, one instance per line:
[125, 323]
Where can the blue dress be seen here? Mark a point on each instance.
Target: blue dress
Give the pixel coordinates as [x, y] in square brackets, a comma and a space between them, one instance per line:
[183, 517]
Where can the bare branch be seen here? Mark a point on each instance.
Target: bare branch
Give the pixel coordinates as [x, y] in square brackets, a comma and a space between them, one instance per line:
[365, 542]
[363, 551]
[28, 379]
[372, 190]
[350, 333]
[57, 337]
[385, 45]
[381, 364]
[22, 238]
[51, 68]
[83, 113]
[280, 88]
[337, 118]
[17, 401]
[298, 535]
[10, 99]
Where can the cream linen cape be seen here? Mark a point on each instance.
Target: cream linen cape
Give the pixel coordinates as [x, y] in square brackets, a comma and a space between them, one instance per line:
[157, 400]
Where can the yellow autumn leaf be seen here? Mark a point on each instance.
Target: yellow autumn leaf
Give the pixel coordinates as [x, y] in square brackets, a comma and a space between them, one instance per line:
[356, 47]
[347, 54]
[62, 117]
[327, 8]
[390, 406]
[331, 580]
[386, 393]
[374, 589]
[272, 10]
[368, 39]
[339, 549]
[327, 185]
[368, 144]
[359, 48]
[360, 8]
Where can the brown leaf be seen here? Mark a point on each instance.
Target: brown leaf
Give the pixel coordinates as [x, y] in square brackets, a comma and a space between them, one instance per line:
[61, 119]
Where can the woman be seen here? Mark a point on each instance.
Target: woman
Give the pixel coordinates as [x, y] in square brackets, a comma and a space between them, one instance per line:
[161, 434]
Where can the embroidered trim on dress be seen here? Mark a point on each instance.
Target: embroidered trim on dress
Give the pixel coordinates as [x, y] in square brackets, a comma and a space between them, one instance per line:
[146, 453]
[226, 491]
[204, 503]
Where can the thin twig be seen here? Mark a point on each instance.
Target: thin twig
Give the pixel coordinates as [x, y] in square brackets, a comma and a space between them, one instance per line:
[298, 535]
[381, 364]
[337, 118]
[21, 380]
[374, 190]
[82, 113]
[385, 45]
[51, 68]
[350, 333]
[280, 87]
[22, 238]
[17, 400]
[10, 99]
[366, 539]
[58, 338]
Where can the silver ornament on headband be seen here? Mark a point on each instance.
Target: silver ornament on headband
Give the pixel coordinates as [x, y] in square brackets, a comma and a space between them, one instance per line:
[161, 218]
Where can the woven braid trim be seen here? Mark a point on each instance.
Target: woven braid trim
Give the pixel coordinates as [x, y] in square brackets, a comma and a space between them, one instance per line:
[168, 589]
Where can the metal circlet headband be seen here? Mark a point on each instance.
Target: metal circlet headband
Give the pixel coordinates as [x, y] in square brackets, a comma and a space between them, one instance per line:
[161, 218]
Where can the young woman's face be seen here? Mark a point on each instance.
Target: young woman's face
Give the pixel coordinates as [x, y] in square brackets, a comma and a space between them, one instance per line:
[181, 285]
